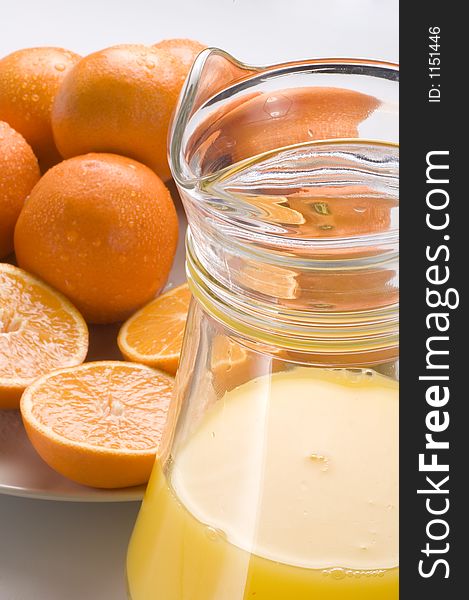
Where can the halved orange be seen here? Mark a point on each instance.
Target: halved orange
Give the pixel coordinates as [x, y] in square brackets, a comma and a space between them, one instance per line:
[40, 330]
[100, 423]
[153, 335]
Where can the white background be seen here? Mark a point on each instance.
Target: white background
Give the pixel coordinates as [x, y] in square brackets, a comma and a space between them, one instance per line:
[68, 551]
[254, 30]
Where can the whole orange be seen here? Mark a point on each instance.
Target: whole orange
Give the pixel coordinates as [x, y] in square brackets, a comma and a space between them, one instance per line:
[119, 100]
[29, 80]
[102, 229]
[19, 172]
[184, 50]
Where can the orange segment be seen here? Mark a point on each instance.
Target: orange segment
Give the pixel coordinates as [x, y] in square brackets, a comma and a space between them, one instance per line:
[40, 330]
[100, 423]
[153, 336]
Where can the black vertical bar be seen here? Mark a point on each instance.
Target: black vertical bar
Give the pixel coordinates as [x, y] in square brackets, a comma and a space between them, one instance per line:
[435, 267]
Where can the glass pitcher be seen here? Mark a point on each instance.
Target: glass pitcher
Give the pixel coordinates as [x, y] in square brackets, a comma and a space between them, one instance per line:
[278, 476]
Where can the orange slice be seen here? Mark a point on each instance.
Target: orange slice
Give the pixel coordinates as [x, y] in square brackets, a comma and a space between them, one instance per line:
[153, 335]
[100, 423]
[40, 330]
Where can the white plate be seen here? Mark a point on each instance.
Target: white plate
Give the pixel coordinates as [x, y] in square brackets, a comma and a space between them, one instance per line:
[23, 472]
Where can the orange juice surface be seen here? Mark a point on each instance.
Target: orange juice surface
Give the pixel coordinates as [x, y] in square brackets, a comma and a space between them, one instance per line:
[286, 490]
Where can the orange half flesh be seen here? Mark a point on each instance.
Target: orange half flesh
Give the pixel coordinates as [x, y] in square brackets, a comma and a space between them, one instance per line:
[40, 330]
[99, 424]
[153, 336]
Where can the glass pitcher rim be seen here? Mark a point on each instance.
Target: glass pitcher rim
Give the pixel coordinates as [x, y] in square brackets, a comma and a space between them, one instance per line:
[246, 308]
[180, 168]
